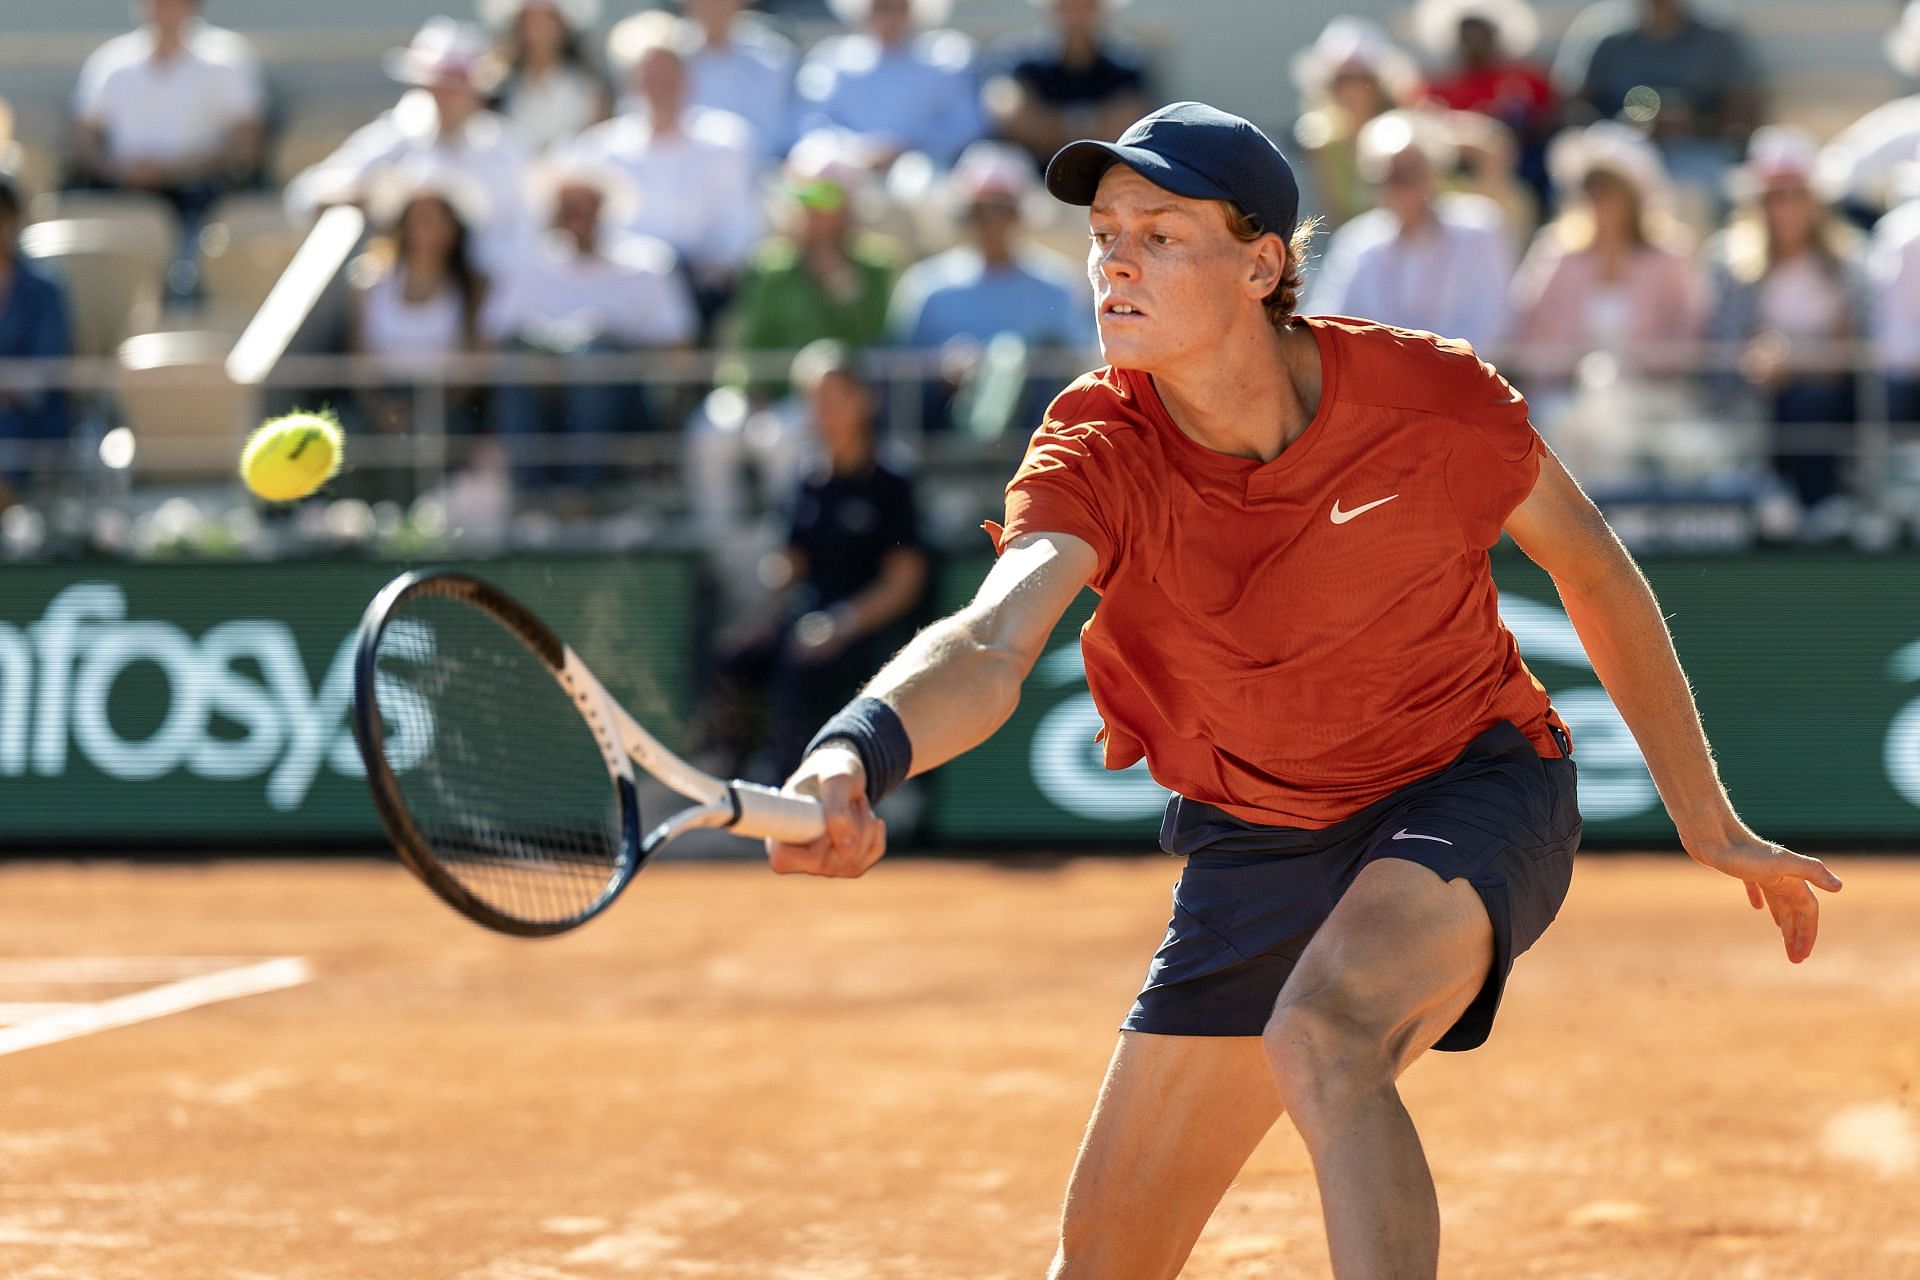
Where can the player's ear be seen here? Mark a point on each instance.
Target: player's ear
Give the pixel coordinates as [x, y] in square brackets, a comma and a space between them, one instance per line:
[1267, 266]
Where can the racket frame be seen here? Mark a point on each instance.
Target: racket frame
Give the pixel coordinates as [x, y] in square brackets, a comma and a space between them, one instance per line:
[747, 807]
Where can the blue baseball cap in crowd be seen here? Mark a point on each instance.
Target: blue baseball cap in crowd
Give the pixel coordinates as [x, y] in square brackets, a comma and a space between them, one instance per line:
[1192, 150]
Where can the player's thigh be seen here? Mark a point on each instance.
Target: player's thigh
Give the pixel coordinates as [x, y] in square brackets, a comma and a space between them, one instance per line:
[1398, 961]
[1176, 1118]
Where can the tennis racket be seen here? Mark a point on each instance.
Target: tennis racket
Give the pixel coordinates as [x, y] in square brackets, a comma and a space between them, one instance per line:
[504, 772]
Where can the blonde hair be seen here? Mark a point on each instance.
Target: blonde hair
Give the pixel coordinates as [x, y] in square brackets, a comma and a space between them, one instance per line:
[1285, 297]
[1750, 249]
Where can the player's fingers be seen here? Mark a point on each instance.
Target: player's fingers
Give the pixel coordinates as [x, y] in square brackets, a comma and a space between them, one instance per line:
[875, 847]
[1799, 917]
[797, 859]
[1813, 871]
[1754, 895]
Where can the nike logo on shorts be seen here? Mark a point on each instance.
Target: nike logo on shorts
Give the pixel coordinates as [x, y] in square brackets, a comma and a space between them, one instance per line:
[1404, 834]
[1341, 517]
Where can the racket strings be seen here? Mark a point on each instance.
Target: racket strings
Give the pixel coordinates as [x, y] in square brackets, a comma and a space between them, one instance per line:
[497, 769]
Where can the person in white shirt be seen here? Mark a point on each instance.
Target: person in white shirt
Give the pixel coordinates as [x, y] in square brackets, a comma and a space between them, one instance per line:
[1893, 270]
[548, 87]
[417, 296]
[736, 62]
[173, 108]
[1423, 259]
[695, 166]
[585, 288]
[442, 120]
[898, 82]
[1861, 164]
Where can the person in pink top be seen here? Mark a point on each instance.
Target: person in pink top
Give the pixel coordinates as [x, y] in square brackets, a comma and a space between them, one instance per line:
[1606, 300]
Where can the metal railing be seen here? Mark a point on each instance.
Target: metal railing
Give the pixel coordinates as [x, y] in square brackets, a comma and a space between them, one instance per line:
[1686, 429]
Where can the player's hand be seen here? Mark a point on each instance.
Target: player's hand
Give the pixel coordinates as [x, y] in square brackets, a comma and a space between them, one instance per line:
[855, 838]
[1778, 879]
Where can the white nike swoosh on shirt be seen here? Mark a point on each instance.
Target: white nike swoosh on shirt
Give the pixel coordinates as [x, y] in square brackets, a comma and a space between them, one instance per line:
[1341, 517]
[1404, 834]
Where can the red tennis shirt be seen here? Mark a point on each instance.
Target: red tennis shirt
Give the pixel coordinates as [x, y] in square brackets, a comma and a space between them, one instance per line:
[1293, 640]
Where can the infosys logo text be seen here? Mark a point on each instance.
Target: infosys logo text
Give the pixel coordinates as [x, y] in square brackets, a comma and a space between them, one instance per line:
[58, 675]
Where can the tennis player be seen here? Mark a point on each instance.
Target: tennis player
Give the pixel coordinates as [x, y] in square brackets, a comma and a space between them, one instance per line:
[1287, 520]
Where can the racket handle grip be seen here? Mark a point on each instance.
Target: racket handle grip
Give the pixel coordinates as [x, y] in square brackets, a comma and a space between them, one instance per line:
[765, 812]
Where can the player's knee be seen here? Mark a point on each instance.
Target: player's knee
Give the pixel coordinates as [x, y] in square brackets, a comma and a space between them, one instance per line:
[1325, 1047]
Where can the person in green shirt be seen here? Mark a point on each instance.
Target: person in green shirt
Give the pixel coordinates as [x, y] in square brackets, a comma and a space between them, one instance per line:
[824, 277]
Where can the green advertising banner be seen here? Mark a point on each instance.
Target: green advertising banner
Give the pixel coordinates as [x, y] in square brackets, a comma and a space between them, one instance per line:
[1807, 668]
[210, 701]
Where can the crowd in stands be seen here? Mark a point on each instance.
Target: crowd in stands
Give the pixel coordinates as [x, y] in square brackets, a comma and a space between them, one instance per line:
[1659, 264]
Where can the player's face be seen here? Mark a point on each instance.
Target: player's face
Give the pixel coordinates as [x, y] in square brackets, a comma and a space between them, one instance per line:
[1170, 280]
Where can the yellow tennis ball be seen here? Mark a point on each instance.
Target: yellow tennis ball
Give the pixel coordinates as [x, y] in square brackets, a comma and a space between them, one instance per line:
[288, 458]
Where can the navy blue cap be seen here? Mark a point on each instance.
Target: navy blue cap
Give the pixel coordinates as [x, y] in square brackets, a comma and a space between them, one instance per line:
[1192, 150]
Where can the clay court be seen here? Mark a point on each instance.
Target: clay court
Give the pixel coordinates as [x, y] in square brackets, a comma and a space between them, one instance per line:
[739, 1076]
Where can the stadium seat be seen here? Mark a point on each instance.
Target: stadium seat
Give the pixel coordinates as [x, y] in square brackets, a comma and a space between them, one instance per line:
[186, 415]
[112, 280]
[145, 222]
[244, 247]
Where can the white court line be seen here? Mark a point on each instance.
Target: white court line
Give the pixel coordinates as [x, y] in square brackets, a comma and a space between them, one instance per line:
[71, 970]
[156, 1002]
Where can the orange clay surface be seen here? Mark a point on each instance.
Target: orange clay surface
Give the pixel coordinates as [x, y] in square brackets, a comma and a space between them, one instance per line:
[741, 1076]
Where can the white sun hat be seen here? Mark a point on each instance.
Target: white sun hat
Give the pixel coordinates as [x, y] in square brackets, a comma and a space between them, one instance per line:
[387, 192]
[992, 170]
[441, 50]
[1392, 132]
[633, 37]
[1903, 42]
[1436, 24]
[1349, 41]
[620, 195]
[1777, 155]
[1612, 147]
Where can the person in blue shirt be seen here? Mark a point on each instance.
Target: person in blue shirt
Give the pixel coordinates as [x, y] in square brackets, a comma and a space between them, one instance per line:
[897, 81]
[993, 283]
[33, 324]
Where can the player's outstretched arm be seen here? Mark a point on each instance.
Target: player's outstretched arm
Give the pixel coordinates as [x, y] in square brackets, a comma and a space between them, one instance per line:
[1614, 611]
[951, 686]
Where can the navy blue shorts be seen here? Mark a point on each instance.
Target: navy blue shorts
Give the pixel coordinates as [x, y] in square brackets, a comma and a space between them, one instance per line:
[1501, 817]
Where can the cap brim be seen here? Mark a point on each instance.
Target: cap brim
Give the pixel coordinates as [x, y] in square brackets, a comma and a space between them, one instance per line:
[1074, 173]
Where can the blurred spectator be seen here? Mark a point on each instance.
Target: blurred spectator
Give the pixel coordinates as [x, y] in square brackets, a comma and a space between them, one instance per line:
[1860, 165]
[736, 62]
[1077, 80]
[1789, 286]
[33, 325]
[897, 83]
[418, 294]
[1424, 259]
[957, 302]
[441, 123]
[852, 569]
[694, 166]
[1894, 269]
[585, 289]
[1349, 75]
[173, 107]
[822, 278]
[1660, 65]
[548, 86]
[1606, 295]
[1484, 45]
